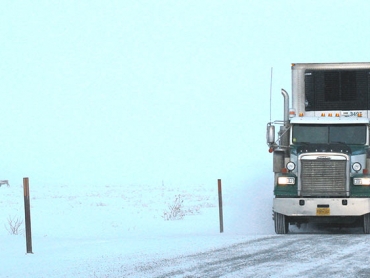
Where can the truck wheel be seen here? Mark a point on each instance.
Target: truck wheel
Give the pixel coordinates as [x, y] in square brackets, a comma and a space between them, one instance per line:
[366, 223]
[281, 225]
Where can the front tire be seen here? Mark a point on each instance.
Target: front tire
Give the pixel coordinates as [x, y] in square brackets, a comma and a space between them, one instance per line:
[281, 224]
[366, 223]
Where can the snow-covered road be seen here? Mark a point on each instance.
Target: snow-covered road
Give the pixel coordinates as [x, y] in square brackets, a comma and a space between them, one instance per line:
[302, 255]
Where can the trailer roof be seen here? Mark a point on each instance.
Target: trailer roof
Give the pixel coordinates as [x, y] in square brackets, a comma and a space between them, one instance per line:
[355, 65]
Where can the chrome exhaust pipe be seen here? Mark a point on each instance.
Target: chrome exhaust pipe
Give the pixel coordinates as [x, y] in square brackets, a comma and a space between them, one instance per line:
[286, 107]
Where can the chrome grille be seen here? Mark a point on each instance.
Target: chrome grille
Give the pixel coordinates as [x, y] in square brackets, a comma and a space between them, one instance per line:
[323, 177]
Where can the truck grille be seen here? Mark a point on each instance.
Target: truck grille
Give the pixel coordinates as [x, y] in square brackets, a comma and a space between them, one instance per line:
[323, 177]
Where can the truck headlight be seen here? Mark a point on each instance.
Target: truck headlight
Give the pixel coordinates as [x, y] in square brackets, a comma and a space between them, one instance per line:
[286, 180]
[356, 166]
[290, 166]
[361, 181]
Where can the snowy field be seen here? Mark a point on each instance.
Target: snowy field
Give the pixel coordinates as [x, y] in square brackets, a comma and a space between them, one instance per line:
[109, 231]
[122, 231]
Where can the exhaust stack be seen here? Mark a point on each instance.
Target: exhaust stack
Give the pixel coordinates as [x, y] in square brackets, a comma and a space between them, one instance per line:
[284, 130]
[286, 107]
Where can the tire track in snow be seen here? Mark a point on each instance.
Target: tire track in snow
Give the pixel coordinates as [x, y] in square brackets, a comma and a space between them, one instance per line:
[274, 256]
[218, 262]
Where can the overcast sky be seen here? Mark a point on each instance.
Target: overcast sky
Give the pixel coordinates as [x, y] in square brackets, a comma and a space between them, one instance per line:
[133, 92]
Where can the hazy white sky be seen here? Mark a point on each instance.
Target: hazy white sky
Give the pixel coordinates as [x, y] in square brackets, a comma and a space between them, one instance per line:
[129, 92]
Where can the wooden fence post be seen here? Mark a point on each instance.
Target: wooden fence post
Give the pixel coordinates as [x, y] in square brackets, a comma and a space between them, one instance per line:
[27, 212]
[220, 206]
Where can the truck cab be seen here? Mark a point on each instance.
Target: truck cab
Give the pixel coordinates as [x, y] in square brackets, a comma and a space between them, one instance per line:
[321, 158]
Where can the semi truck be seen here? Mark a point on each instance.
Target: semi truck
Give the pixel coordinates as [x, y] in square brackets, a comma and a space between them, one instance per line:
[321, 154]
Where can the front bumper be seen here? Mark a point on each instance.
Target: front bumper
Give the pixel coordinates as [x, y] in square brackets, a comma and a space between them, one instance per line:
[314, 206]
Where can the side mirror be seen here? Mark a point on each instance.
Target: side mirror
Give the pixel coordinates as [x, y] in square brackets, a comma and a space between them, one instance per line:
[270, 134]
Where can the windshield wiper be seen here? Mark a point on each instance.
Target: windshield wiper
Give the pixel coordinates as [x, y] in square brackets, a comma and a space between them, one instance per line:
[302, 143]
[339, 142]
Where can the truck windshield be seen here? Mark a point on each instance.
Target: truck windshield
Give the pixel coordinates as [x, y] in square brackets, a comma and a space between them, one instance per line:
[325, 134]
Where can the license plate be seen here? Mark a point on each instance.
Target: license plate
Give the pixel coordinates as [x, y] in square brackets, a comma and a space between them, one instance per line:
[322, 211]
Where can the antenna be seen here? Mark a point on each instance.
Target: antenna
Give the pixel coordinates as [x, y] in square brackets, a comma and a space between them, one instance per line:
[270, 91]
